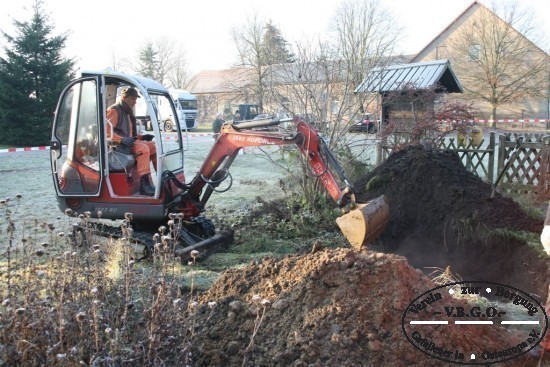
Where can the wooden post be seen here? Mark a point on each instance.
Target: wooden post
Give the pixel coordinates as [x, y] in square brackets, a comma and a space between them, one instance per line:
[545, 168]
[491, 168]
[379, 157]
[501, 150]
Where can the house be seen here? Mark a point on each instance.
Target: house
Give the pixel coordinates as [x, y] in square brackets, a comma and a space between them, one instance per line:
[313, 89]
[503, 73]
[220, 90]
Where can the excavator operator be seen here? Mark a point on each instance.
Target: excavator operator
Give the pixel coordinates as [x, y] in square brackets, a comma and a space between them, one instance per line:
[122, 118]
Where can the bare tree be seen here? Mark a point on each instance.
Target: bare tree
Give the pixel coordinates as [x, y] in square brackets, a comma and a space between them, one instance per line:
[307, 88]
[495, 59]
[172, 65]
[179, 76]
[164, 61]
[320, 84]
[121, 64]
[322, 80]
[364, 34]
[165, 58]
[248, 39]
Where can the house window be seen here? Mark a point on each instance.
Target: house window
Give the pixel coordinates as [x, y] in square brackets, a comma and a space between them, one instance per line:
[335, 106]
[473, 52]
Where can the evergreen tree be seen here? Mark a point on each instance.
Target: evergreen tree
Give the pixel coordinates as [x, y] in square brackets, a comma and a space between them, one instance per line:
[148, 62]
[275, 47]
[32, 75]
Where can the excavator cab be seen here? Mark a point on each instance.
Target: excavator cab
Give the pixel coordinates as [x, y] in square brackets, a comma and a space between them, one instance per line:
[91, 173]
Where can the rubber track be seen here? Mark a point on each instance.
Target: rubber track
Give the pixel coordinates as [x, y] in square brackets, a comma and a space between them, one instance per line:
[142, 237]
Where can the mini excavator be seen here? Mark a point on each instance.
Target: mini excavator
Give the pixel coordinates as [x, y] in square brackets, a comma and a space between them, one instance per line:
[92, 175]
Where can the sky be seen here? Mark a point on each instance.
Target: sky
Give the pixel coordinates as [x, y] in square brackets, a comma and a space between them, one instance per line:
[103, 30]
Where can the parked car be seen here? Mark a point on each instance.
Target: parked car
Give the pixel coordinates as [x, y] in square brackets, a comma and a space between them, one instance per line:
[367, 124]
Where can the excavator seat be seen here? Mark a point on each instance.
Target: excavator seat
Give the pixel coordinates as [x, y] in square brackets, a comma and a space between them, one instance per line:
[123, 172]
[120, 161]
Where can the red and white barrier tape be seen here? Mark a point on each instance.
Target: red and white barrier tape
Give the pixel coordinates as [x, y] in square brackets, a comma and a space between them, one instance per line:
[506, 121]
[26, 149]
[43, 147]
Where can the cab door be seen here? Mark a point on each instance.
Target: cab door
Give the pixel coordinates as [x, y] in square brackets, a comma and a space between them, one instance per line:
[75, 149]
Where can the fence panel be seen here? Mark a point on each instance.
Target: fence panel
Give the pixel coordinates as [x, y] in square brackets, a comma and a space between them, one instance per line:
[520, 155]
[478, 158]
[522, 161]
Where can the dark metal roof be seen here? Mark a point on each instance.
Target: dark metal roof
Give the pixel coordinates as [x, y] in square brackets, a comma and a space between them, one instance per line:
[419, 75]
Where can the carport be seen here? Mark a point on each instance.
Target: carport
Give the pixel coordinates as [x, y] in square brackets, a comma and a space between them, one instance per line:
[390, 80]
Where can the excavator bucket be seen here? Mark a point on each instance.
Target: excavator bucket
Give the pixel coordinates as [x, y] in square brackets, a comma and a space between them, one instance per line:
[366, 222]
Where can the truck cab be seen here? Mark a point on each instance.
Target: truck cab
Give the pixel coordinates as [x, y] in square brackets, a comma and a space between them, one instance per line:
[248, 111]
[186, 110]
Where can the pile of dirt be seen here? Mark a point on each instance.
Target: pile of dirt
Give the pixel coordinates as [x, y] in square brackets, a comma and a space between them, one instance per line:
[443, 215]
[330, 308]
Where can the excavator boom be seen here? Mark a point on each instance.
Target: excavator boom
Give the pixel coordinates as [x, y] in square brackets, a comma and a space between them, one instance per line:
[361, 224]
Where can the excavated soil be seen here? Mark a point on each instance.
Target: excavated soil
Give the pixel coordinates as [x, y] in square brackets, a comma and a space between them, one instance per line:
[344, 308]
[442, 215]
[331, 308]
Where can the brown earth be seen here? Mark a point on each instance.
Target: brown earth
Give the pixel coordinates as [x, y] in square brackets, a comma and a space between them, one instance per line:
[335, 307]
[344, 308]
[442, 215]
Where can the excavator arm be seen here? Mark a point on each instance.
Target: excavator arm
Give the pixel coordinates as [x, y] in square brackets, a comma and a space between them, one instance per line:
[361, 224]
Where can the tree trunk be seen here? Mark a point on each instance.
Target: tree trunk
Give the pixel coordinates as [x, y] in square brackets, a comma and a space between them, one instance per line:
[494, 115]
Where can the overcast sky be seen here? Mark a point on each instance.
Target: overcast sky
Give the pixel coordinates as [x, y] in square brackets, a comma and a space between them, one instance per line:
[100, 29]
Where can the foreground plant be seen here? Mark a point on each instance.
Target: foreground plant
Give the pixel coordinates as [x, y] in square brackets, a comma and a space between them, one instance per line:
[90, 303]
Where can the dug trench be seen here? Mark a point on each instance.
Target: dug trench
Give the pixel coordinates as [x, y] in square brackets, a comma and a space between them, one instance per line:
[443, 216]
[344, 307]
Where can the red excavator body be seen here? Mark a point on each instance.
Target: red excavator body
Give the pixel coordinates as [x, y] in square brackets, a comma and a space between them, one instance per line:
[93, 175]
